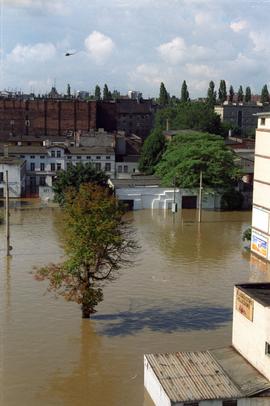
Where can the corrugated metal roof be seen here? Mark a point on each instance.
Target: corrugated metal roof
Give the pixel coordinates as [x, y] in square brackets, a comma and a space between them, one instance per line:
[242, 373]
[192, 376]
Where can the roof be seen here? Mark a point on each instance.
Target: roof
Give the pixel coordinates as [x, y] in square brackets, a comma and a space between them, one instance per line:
[8, 160]
[266, 113]
[207, 375]
[136, 182]
[257, 291]
[36, 149]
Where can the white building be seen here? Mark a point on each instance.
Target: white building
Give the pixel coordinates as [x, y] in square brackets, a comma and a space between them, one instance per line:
[261, 193]
[237, 375]
[16, 169]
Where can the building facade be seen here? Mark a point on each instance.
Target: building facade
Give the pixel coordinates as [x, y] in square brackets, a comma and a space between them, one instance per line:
[260, 237]
[16, 169]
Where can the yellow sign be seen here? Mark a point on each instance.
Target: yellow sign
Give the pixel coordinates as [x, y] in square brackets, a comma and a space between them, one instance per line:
[244, 304]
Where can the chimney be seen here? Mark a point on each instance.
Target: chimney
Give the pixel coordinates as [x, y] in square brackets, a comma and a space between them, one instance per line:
[5, 150]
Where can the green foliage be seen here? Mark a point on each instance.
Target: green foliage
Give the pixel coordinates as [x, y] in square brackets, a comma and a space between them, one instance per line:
[97, 92]
[211, 94]
[68, 90]
[232, 200]
[163, 95]
[152, 150]
[248, 94]
[240, 95]
[74, 176]
[191, 115]
[247, 234]
[190, 152]
[184, 93]
[265, 95]
[97, 243]
[106, 93]
[231, 94]
[222, 92]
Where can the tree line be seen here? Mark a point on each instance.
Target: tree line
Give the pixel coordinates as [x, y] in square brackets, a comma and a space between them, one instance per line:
[213, 96]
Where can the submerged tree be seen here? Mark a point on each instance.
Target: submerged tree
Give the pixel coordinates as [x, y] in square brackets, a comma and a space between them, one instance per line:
[97, 243]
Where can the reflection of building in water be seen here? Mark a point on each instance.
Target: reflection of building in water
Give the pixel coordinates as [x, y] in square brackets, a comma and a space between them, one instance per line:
[261, 194]
[237, 375]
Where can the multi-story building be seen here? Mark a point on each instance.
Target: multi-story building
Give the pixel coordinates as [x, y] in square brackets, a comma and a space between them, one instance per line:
[260, 237]
[16, 169]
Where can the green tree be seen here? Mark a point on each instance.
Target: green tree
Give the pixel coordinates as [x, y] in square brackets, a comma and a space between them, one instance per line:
[97, 92]
[115, 94]
[152, 150]
[163, 95]
[211, 94]
[222, 92]
[97, 243]
[74, 176]
[240, 95]
[248, 94]
[184, 92]
[68, 90]
[190, 152]
[231, 94]
[265, 95]
[106, 93]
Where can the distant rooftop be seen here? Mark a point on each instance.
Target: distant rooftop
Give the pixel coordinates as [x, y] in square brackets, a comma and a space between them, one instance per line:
[136, 181]
[257, 291]
[8, 160]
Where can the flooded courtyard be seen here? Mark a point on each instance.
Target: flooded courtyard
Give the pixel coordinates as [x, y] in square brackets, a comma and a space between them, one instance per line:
[176, 296]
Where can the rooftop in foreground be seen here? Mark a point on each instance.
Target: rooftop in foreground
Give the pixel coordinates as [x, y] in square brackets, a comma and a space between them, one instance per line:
[207, 375]
[257, 291]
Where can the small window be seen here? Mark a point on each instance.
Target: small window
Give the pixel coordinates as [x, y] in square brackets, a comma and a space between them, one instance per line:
[42, 157]
[32, 166]
[97, 157]
[119, 169]
[53, 154]
[107, 167]
[32, 156]
[52, 167]
[267, 348]
[22, 156]
[88, 157]
[42, 166]
[229, 403]
[79, 157]
[1, 176]
[58, 166]
[108, 157]
[125, 169]
[98, 166]
[69, 164]
[58, 154]
[42, 181]
[262, 121]
[69, 157]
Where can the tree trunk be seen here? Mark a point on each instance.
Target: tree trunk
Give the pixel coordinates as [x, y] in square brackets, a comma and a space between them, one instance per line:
[86, 311]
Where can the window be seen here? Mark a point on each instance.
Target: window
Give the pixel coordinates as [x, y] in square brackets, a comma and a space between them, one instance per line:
[53, 154]
[1, 176]
[88, 157]
[42, 181]
[229, 403]
[42, 166]
[32, 166]
[22, 156]
[267, 348]
[108, 157]
[52, 167]
[58, 154]
[125, 169]
[32, 156]
[69, 157]
[58, 166]
[262, 121]
[107, 167]
[1, 192]
[98, 166]
[42, 157]
[97, 157]
[79, 157]
[69, 164]
[119, 169]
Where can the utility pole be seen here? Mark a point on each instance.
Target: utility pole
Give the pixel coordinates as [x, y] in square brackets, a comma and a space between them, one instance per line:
[174, 204]
[200, 199]
[7, 218]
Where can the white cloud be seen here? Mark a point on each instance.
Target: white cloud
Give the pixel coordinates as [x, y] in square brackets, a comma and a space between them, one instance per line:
[238, 26]
[201, 71]
[260, 41]
[173, 51]
[99, 46]
[40, 52]
[149, 73]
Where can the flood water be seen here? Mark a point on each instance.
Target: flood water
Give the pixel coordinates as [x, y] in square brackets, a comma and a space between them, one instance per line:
[177, 296]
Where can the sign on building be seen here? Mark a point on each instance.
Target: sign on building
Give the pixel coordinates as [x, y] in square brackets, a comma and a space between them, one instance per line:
[244, 304]
[259, 244]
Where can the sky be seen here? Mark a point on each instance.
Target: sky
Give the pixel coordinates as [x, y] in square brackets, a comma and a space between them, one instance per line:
[134, 44]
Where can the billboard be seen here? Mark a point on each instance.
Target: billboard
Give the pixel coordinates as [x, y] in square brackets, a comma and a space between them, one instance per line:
[259, 244]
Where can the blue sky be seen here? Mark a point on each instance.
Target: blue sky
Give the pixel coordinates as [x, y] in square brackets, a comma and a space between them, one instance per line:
[134, 44]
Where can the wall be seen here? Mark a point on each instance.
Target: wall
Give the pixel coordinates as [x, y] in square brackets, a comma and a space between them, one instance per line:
[153, 386]
[249, 337]
[16, 179]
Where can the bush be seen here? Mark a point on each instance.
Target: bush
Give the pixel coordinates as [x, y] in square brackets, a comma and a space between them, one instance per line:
[232, 200]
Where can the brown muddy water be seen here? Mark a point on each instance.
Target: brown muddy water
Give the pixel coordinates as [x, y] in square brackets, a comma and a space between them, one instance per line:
[177, 296]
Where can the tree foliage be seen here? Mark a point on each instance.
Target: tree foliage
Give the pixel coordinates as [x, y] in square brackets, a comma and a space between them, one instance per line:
[106, 93]
[74, 176]
[163, 95]
[97, 243]
[231, 94]
[97, 92]
[211, 94]
[240, 95]
[152, 150]
[191, 115]
[248, 94]
[265, 95]
[190, 152]
[184, 93]
[222, 92]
